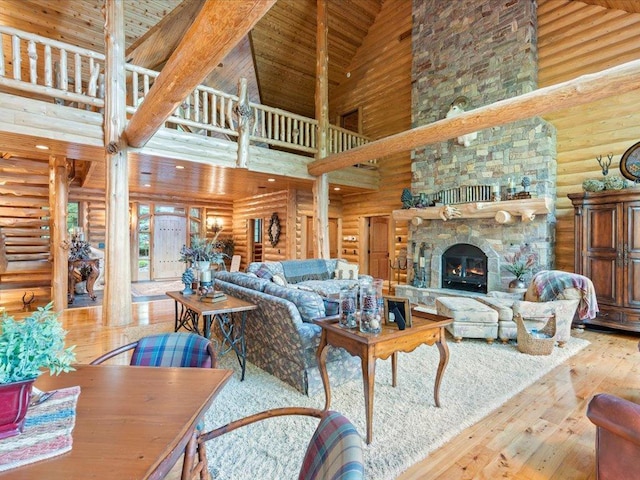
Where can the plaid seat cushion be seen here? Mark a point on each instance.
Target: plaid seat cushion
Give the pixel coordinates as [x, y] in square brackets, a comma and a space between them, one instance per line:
[334, 452]
[172, 350]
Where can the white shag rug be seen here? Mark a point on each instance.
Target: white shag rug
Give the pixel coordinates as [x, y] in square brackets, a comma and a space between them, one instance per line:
[406, 423]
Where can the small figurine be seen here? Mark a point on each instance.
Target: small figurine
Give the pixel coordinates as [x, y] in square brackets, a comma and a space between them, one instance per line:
[526, 183]
[407, 198]
[188, 278]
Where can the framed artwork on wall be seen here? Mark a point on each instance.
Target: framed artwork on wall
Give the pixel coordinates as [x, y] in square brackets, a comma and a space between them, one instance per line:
[630, 163]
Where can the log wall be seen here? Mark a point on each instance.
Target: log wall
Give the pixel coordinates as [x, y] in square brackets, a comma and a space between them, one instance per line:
[576, 39]
[263, 206]
[24, 221]
[380, 83]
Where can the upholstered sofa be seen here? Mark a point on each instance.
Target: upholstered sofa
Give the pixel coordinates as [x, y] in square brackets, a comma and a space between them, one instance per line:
[281, 336]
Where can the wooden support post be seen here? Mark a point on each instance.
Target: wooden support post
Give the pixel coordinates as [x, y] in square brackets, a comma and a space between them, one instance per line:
[321, 185]
[58, 198]
[244, 124]
[116, 307]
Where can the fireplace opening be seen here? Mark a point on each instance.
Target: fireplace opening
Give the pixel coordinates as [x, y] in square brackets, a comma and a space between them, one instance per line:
[464, 267]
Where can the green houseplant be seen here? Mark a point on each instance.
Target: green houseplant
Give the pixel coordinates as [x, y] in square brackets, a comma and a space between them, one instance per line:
[202, 250]
[27, 347]
[521, 264]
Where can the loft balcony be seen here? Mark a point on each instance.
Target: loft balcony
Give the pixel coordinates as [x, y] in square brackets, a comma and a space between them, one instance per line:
[55, 91]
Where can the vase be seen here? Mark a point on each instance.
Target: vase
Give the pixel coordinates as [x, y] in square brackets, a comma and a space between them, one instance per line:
[347, 309]
[517, 286]
[14, 401]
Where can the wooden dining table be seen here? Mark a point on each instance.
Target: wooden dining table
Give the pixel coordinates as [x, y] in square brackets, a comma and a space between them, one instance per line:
[131, 422]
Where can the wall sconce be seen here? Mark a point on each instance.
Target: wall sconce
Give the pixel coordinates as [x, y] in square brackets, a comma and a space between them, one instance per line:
[214, 224]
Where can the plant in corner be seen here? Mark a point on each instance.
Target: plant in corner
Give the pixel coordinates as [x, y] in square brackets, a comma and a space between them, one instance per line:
[520, 264]
[26, 348]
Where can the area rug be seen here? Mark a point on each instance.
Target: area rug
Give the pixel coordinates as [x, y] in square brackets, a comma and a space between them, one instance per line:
[406, 423]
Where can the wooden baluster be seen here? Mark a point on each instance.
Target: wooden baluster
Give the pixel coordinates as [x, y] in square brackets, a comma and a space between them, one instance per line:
[2, 72]
[17, 62]
[205, 108]
[94, 71]
[214, 110]
[196, 105]
[64, 80]
[223, 122]
[145, 85]
[33, 62]
[78, 73]
[134, 89]
[48, 66]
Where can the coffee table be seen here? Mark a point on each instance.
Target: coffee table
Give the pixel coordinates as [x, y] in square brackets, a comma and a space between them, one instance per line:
[427, 329]
[192, 308]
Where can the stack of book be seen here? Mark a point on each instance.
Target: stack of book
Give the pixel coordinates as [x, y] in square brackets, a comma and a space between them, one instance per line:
[212, 297]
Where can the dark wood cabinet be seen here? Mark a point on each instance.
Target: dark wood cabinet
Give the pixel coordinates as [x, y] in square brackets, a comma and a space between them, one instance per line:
[607, 250]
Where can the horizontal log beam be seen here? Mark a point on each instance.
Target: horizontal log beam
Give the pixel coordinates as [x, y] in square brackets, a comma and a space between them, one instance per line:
[585, 89]
[218, 28]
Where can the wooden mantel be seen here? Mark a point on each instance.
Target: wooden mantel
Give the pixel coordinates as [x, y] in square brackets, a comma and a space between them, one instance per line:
[503, 212]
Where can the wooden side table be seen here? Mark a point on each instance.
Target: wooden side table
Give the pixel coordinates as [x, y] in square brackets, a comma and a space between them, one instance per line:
[76, 267]
[427, 329]
[192, 309]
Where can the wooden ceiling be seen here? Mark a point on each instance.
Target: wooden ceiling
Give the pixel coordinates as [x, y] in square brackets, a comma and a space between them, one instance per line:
[278, 58]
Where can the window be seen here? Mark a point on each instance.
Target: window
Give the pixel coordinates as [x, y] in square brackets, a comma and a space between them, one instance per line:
[144, 237]
[73, 215]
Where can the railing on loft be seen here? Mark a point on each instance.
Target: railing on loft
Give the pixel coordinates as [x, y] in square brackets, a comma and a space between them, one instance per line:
[74, 76]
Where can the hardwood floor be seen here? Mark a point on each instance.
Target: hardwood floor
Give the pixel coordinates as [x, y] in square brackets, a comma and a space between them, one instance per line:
[541, 433]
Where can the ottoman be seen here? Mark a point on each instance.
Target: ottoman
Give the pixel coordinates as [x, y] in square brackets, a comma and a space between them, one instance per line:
[471, 319]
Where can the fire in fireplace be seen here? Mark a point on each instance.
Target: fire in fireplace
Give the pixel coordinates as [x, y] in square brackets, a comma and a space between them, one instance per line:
[464, 267]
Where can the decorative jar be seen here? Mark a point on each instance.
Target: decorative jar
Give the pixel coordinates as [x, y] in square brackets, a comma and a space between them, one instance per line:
[370, 313]
[348, 309]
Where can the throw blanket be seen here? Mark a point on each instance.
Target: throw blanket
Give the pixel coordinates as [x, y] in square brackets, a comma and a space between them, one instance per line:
[301, 270]
[551, 283]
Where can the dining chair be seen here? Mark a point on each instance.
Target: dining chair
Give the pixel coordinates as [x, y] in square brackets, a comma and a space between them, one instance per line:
[167, 350]
[171, 350]
[333, 453]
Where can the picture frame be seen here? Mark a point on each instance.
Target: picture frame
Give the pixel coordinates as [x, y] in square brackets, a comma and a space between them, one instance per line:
[395, 306]
[630, 163]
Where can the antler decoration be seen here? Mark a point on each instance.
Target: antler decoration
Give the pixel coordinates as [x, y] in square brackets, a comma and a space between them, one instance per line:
[606, 164]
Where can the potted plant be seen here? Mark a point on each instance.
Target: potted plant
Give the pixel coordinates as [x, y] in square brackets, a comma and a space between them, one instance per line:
[202, 250]
[26, 348]
[520, 264]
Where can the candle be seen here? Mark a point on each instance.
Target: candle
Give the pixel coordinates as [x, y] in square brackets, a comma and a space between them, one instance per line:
[511, 183]
[421, 262]
[205, 276]
[416, 253]
[496, 189]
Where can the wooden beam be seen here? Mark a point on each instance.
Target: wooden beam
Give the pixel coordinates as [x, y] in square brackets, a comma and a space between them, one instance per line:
[219, 27]
[58, 197]
[155, 47]
[116, 306]
[585, 89]
[321, 184]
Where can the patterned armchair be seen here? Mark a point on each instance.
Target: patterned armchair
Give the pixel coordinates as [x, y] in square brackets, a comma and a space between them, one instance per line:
[550, 292]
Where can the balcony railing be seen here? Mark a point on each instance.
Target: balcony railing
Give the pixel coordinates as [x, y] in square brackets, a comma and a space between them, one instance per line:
[73, 76]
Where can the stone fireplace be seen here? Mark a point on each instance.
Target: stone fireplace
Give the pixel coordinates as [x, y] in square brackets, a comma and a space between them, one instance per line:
[484, 51]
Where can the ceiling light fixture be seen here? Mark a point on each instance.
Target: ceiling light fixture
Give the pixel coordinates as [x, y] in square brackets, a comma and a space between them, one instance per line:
[271, 179]
[337, 189]
[42, 147]
[179, 167]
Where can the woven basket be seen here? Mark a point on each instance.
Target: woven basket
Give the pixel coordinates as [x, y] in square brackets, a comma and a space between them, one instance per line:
[536, 344]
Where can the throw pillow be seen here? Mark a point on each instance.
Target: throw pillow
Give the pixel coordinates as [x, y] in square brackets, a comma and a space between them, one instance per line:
[279, 280]
[346, 271]
[264, 272]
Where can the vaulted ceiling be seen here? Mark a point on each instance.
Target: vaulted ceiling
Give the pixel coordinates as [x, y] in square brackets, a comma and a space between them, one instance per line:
[278, 57]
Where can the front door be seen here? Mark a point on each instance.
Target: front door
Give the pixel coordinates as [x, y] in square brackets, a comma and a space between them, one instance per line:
[379, 247]
[169, 234]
